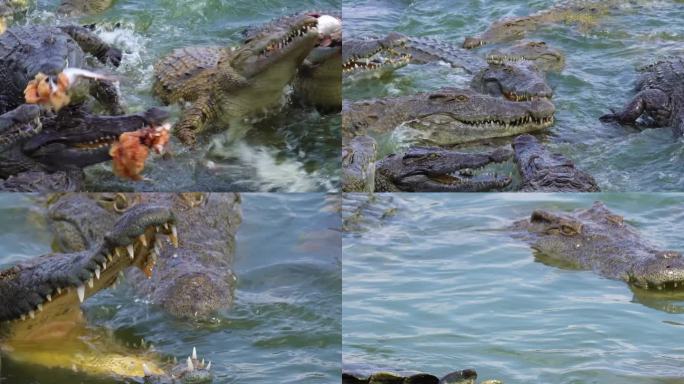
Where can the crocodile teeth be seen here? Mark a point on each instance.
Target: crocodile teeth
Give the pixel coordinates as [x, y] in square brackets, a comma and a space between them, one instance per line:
[143, 240]
[190, 366]
[131, 252]
[81, 292]
[104, 266]
[23, 317]
[174, 236]
[59, 290]
[32, 314]
[90, 282]
[97, 273]
[49, 297]
[209, 366]
[39, 307]
[146, 370]
[194, 353]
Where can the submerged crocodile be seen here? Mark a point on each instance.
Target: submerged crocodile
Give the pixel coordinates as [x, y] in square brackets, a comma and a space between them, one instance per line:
[40, 319]
[448, 116]
[542, 171]
[224, 85]
[597, 239]
[363, 212]
[29, 50]
[659, 98]
[584, 13]
[192, 281]
[358, 164]
[47, 152]
[366, 374]
[439, 170]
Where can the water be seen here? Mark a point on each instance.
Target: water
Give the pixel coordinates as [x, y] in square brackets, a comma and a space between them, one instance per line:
[285, 324]
[599, 74]
[296, 151]
[440, 287]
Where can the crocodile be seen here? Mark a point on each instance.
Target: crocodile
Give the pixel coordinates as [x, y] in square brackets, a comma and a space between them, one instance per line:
[584, 13]
[372, 57]
[659, 98]
[40, 151]
[83, 7]
[318, 80]
[40, 318]
[597, 239]
[544, 57]
[358, 164]
[224, 85]
[363, 212]
[543, 171]
[192, 281]
[448, 116]
[367, 374]
[516, 82]
[424, 169]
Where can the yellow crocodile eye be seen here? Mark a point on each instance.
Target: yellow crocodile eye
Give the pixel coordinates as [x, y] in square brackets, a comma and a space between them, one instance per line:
[568, 230]
[194, 199]
[120, 203]
[462, 98]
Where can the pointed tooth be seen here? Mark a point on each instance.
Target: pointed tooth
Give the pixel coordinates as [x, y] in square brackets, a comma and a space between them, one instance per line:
[49, 297]
[40, 307]
[81, 292]
[90, 282]
[97, 273]
[174, 236]
[209, 366]
[190, 366]
[23, 317]
[194, 353]
[104, 266]
[202, 363]
[146, 370]
[143, 239]
[59, 290]
[32, 314]
[131, 251]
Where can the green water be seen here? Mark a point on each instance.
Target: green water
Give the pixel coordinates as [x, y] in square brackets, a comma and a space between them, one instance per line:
[285, 324]
[599, 74]
[440, 287]
[295, 152]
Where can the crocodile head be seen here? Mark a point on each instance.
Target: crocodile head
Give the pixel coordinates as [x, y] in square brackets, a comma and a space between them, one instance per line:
[542, 55]
[19, 124]
[600, 240]
[373, 56]
[453, 116]
[439, 170]
[194, 280]
[74, 139]
[514, 82]
[358, 165]
[501, 31]
[284, 45]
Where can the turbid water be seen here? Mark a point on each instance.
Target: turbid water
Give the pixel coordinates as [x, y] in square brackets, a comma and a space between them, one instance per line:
[297, 150]
[599, 74]
[440, 287]
[285, 324]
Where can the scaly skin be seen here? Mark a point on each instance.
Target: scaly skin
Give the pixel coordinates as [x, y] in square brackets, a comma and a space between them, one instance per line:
[42, 153]
[227, 85]
[40, 319]
[366, 374]
[372, 57]
[543, 171]
[545, 58]
[191, 282]
[513, 81]
[83, 7]
[29, 50]
[358, 165]
[584, 13]
[598, 240]
[439, 170]
[659, 98]
[362, 212]
[448, 116]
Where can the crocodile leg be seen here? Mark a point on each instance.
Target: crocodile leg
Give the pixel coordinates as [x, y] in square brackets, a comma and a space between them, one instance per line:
[652, 102]
[92, 44]
[195, 120]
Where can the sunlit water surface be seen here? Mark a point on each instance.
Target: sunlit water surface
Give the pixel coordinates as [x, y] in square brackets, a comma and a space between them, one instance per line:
[285, 324]
[599, 74]
[441, 286]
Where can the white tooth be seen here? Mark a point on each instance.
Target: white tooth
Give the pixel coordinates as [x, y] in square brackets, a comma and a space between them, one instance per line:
[143, 240]
[209, 366]
[40, 307]
[23, 317]
[131, 252]
[190, 366]
[49, 297]
[194, 353]
[32, 314]
[90, 282]
[97, 273]
[146, 370]
[104, 266]
[81, 292]
[59, 290]
[202, 363]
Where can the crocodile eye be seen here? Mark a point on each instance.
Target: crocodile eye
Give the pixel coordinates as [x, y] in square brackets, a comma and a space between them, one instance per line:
[568, 230]
[120, 203]
[462, 98]
[194, 199]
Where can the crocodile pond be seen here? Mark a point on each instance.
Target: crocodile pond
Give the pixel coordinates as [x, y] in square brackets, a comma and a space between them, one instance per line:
[442, 285]
[603, 52]
[284, 278]
[295, 150]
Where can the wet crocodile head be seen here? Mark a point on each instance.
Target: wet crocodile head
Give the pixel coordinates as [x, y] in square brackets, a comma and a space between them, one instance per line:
[358, 164]
[19, 124]
[514, 82]
[192, 281]
[373, 57]
[541, 54]
[40, 319]
[599, 240]
[281, 48]
[438, 170]
[75, 139]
